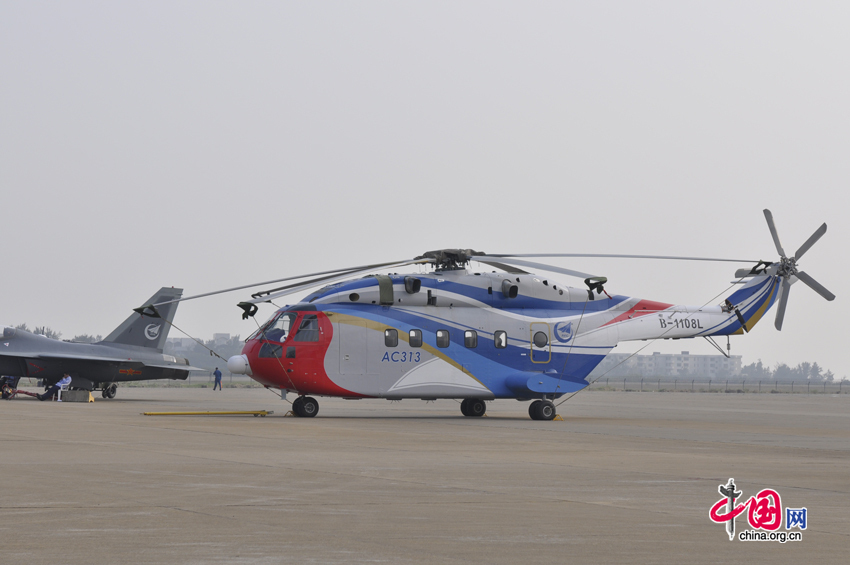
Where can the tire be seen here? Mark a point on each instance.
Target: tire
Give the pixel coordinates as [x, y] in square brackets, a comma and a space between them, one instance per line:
[309, 407]
[103, 393]
[533, 410]
[111, 390]
[296, 406]
[7, 392]
[546, 410]
[476, 408]
[464, 407]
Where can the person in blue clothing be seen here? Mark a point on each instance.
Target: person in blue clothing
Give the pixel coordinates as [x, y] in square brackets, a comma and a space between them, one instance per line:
[217, 375]
[51, 392]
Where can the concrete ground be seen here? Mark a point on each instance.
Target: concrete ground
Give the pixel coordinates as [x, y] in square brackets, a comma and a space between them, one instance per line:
[626, 478]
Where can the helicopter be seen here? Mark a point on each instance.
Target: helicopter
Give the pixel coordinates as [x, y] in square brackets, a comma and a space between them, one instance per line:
[478, 336]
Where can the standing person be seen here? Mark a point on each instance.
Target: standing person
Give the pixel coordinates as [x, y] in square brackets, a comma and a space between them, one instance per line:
[217, 375]
[64, 381]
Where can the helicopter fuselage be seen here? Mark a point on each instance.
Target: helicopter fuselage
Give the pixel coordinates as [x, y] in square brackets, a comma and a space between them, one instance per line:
[456, 334]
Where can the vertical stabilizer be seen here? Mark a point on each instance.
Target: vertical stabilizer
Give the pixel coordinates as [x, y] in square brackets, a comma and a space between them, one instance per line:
[148, 331]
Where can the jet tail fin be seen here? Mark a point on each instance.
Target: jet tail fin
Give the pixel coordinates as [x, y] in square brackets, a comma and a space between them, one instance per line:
[148, 330]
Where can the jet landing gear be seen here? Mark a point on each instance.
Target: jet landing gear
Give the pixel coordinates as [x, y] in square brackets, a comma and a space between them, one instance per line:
[109, 391]
[542, 410]
[305, 406]
[473, 407]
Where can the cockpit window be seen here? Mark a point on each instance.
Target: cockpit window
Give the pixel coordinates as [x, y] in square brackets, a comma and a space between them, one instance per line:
[279, 329]
[259, 333]
[309, 329]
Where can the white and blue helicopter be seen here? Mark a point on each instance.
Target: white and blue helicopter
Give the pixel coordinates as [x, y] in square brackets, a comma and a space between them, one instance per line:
[476, 336]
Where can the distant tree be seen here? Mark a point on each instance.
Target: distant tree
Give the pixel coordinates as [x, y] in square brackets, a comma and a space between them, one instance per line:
[22, 327]
[783, 372]
[756, 372]
[829, 377]
[47, 332]
[86, 338]
[231, 347]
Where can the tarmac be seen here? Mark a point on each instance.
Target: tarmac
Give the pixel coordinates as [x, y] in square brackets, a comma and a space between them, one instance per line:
[625, 478]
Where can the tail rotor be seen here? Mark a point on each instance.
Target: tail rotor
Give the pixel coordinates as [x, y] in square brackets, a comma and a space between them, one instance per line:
[787, 268]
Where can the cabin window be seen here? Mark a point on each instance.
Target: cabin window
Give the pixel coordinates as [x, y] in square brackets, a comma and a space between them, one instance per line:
[309, 328]
[279, 329]
[270, 351]
[391, 338]
[500, 338]
[541, 339]
[443, 338]
[415, 338]
[470, 339]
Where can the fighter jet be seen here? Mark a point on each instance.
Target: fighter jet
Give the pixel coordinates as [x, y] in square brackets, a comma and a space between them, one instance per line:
[132, 352]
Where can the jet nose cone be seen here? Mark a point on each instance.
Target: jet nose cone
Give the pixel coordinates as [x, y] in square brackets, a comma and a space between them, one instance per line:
[238, 365]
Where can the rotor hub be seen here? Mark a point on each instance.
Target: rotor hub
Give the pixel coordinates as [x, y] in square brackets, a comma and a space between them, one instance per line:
[450, 259]
[787, 266]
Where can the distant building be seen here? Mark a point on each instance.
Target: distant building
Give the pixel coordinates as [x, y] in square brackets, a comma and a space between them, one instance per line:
[669, 365]
[221, 339]
[180, 343]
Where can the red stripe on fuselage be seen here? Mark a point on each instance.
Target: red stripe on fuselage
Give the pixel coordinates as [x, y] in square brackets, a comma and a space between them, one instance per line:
[642, 308]
[305, 373]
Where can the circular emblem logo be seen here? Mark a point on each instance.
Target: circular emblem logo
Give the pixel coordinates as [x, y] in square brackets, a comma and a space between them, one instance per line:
[564, 331]
[152, 331]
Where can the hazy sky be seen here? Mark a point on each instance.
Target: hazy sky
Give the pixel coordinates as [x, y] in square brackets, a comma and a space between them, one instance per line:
[211, 144]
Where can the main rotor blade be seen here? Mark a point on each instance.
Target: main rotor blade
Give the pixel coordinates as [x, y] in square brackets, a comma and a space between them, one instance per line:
[292, 289]
[505, 267]
[811, 241]
[252, 285]
[533, 265]
[618, 256]
[770, 224]
[783, 302]
[316, 280]
[815, 285]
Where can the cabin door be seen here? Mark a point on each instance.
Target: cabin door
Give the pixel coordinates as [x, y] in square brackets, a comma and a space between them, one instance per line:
[353, 347]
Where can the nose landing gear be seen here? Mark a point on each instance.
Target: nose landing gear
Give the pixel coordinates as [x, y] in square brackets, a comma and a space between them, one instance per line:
[305, 406]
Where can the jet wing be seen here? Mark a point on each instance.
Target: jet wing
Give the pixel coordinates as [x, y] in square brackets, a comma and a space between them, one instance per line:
[96, 358]
[74, 357]
[181, 367]
[32, 355]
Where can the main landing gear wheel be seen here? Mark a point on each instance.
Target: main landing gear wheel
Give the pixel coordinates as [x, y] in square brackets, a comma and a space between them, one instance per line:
[296, 405]
[305, 406]
[110, 391]
[542, 410]
[473, 407]
[7, 392]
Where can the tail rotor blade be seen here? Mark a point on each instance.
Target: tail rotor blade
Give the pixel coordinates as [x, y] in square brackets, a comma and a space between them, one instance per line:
[811, 241]
[783, 302]
[770, 224]
[815, 285]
